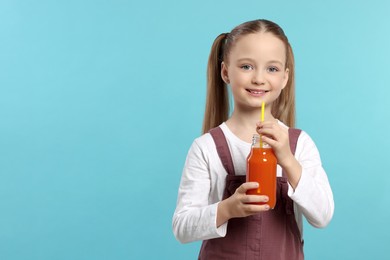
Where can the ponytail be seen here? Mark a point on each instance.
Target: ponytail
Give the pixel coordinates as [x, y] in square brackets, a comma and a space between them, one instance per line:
[217, 100]
[283, 108]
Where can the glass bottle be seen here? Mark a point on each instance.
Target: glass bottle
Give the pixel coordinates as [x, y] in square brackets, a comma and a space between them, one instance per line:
[261, 168]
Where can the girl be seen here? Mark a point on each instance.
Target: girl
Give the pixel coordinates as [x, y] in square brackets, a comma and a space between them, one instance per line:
[256, 60]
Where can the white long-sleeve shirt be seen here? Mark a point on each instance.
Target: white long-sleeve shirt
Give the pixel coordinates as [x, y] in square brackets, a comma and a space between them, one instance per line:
[203, 183]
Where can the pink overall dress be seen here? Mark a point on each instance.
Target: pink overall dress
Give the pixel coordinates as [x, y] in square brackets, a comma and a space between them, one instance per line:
[270, 235]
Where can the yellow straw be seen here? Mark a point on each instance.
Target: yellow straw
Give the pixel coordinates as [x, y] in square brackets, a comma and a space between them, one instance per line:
[262, 111]
[262, 120]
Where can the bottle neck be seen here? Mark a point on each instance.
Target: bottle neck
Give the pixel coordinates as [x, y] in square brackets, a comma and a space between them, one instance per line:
[257, 143]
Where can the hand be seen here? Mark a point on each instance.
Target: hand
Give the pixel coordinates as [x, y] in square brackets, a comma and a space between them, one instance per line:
[237, 205]
[277, 137]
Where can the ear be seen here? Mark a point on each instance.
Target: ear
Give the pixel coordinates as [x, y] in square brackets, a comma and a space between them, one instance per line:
[224, 73]
[286, 77]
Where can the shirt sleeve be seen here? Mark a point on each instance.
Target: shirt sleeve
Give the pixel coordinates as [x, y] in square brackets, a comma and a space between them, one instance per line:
[313, 195]
[194, 217]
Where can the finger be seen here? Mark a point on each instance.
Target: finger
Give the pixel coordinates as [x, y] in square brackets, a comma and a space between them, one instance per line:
[255, 199]
[269, 123]
[274, 133]
[271, 126]
[259, 124]
[247, 186]
[269, 140]
[266, 131]
[251, 208]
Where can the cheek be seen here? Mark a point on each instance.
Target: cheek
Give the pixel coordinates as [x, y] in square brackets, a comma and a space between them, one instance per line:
[236, 89]
[239, 78]
[278, 83]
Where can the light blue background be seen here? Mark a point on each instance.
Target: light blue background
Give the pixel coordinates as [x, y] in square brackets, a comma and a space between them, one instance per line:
[100, 101]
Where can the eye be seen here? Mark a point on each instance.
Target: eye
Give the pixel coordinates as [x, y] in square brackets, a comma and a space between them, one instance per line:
[273, 69]
[247, 67]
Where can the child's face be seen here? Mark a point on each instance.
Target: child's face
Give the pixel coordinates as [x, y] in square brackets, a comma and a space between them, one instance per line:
[256, 70]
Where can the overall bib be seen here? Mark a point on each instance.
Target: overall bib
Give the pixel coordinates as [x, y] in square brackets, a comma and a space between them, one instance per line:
[269, 235]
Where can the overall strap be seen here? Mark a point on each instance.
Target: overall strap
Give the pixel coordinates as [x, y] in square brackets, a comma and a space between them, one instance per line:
[223, 149]
[293, 134]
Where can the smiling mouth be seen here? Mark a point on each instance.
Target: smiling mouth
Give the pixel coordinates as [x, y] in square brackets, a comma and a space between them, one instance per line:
[256, 91]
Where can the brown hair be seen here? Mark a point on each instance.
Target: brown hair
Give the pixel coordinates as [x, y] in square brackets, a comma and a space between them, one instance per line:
[217, 101]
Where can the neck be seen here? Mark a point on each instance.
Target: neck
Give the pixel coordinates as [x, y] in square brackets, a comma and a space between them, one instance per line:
[243, 122]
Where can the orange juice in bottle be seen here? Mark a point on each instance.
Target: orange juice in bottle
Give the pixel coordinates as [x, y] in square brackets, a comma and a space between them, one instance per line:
[261, 168]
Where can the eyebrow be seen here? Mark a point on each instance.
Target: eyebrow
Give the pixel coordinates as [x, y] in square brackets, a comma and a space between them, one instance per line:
[250, 59]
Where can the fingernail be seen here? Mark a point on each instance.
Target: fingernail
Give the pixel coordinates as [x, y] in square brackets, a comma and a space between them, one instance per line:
[266, 206]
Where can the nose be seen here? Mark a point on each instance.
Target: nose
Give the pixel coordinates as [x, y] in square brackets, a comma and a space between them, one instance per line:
[258, 78]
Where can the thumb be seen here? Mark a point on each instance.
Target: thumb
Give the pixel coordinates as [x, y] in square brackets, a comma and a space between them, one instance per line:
[247, 186]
